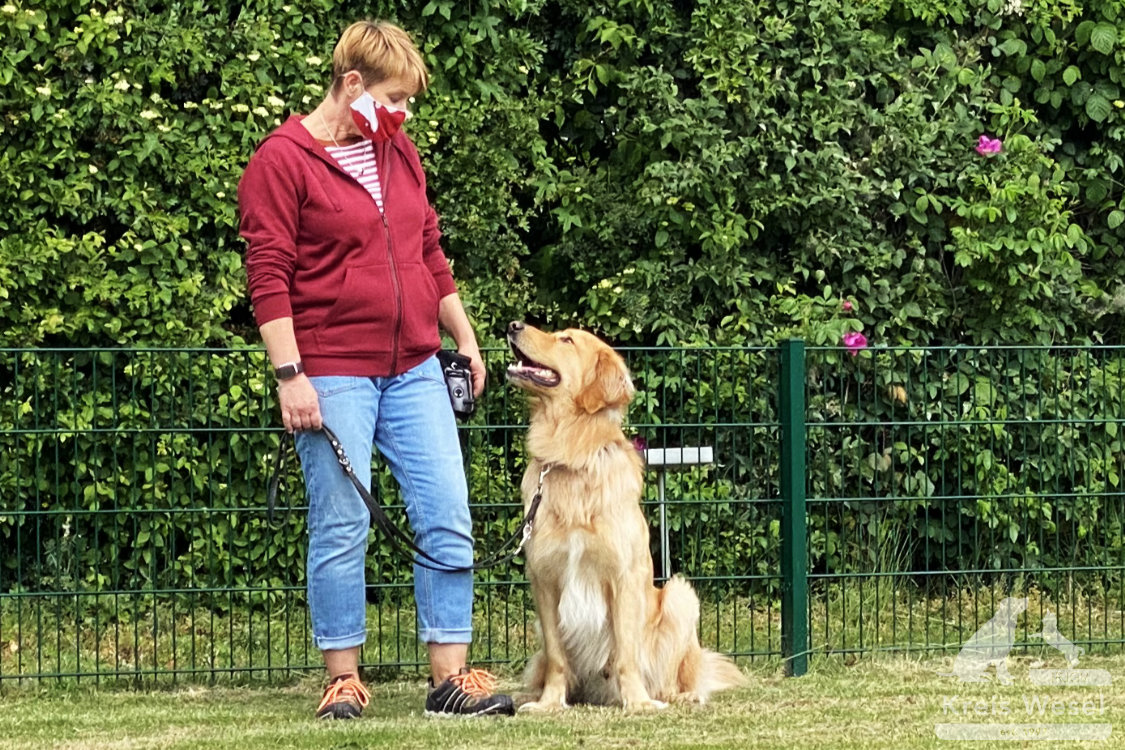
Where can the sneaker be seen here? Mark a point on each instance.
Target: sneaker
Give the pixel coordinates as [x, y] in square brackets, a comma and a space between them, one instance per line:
[468, 693]
[344, 698]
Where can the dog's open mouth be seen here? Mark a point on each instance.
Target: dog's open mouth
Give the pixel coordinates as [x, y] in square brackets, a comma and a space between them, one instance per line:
[526, 368]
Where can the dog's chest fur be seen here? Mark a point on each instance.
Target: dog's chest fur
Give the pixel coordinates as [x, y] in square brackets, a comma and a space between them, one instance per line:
[588, 530]
[583, 616]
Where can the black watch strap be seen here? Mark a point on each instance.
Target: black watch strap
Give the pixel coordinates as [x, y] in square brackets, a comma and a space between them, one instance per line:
[289, 370]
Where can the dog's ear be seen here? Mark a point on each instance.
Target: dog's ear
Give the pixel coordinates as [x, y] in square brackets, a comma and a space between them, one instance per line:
[608, 386]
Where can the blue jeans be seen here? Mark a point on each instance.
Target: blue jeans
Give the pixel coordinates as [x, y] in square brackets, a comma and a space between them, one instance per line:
[409, 419]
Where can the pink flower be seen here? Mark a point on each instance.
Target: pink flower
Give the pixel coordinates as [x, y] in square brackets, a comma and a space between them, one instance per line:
[847, 306]
[986, 146]
[855, 341]
[640, 443]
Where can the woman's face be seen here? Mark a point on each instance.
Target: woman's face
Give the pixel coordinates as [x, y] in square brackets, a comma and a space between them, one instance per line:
[394, 93]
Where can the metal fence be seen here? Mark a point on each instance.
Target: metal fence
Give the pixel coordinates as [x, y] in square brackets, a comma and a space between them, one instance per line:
[832, 504]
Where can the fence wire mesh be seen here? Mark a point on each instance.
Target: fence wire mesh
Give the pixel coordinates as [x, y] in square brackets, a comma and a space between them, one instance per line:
[939, 481]
[944, 480]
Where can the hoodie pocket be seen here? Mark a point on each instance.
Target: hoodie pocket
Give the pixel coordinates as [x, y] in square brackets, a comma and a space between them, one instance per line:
[420, 308]
[362, 317]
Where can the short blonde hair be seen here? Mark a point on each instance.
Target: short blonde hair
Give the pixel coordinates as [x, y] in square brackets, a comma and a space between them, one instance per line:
[378, 50]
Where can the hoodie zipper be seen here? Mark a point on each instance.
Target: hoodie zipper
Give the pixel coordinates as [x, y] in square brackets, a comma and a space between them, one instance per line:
[395, 282]
[398, 296]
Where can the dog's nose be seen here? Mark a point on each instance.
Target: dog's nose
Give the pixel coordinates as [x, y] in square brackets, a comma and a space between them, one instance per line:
[515, 326]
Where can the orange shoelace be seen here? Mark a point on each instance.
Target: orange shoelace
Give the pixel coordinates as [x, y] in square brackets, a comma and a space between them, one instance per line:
[476, 682]
[349, 688]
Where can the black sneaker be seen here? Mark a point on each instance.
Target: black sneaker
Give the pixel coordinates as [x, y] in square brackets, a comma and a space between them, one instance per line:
[344, 698]
[468, 693]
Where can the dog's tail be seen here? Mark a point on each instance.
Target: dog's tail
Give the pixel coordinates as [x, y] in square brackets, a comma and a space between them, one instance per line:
[718, 673]
[712, 671]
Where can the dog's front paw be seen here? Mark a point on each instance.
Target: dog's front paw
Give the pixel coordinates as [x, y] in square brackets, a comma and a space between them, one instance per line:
[688, 697]
[644, 706]
[543, 707]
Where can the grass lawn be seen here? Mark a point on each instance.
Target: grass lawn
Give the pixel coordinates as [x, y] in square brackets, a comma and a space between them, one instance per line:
[887, 702]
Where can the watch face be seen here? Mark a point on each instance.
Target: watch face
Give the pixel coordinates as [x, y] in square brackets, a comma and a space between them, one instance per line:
[289, 370]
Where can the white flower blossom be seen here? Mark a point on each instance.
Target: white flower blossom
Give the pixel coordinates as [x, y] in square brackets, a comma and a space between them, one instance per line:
[190, 105]
[8, 9]
[121, 85]
[93, 169]
[114, 19]
[220, 195]
[239, 108]
[275, 102]
[163, 128]
[148, 114]
[261, 112]
[43, 90]
[253, 56]
[1012, 8]
[313, 60]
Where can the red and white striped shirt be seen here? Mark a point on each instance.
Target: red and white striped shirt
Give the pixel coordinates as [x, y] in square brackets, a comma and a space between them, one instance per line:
[358, 160]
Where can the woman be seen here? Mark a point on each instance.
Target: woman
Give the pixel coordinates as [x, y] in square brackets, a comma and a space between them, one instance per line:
[349, 285]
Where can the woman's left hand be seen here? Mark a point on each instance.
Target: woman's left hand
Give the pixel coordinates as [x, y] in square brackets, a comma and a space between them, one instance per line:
[476, 367]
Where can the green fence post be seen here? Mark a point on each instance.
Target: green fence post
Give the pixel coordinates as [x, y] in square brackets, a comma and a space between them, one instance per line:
[794, 542]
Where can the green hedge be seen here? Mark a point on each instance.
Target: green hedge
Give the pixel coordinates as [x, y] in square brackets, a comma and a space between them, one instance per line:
[718, 171]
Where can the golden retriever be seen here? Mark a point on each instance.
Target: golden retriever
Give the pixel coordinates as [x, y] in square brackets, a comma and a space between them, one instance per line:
[609, 636]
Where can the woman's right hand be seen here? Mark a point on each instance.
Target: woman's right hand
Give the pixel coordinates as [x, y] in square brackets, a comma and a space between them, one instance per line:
[300, 408]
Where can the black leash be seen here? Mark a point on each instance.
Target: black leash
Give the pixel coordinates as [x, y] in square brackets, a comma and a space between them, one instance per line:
[402, 543]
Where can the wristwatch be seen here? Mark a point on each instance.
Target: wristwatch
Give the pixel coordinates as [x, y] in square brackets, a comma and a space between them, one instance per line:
[289, 370]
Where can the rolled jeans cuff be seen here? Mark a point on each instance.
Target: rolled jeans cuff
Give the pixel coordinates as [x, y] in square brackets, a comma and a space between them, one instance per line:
[339, 643]
[434, 635]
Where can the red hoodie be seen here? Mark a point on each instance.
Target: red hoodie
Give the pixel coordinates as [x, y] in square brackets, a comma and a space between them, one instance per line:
[362, 288]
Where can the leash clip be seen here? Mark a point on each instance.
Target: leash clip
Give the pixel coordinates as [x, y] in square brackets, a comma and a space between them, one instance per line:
[523, 539]
[529, 521]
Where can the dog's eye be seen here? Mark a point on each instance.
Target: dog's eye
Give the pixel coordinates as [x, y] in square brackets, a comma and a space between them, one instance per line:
[566, 339]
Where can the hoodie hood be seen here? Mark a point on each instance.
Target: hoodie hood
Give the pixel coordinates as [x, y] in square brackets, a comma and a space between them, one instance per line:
[294, 131]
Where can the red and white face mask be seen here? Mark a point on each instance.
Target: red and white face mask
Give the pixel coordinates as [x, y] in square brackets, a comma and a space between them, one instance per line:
[377, 122]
